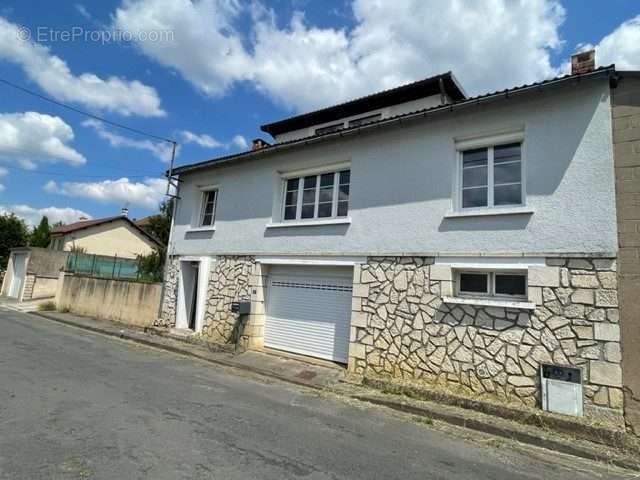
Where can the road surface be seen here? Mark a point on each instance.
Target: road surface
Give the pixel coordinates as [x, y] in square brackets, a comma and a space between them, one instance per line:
[78, 405]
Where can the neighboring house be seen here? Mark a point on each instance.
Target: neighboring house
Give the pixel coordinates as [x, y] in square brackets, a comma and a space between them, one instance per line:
[421, 234]
[112, 236]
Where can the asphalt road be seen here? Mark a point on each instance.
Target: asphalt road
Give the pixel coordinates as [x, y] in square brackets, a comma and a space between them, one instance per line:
[76, 405]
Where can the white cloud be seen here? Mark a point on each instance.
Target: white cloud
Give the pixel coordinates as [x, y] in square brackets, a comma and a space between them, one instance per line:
[622, 46]
[31, 137]
[146, 194]
[159, 149]
[53, 75]
[205, 46]
[240, 142]
[204, 140]
[32, 216]
[207, 141]
[82, 10]
[488, 44]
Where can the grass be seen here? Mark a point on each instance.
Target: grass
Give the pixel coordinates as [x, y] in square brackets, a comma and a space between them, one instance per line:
[424, 420]
[47, 306]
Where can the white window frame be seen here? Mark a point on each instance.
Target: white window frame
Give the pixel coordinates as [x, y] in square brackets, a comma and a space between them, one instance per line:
[489, 142]
[491, 284]
[203, 197]
[335, 169]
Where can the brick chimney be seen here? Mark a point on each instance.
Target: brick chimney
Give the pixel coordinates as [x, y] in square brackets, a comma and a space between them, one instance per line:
[583, 62]
[258, 143]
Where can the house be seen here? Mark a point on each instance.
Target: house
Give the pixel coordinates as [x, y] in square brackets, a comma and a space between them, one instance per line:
[33, 273]
[422, 234]
[116, 236]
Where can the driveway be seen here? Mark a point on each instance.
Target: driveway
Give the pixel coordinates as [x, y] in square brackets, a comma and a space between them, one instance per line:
[77, 405]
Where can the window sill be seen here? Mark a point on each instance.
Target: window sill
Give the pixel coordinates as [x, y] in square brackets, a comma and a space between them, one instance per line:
[310, 223]
[491, 212]
[201, 229]
[490, 302]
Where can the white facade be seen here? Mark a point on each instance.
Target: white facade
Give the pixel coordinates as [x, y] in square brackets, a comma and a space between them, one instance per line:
[404, 187]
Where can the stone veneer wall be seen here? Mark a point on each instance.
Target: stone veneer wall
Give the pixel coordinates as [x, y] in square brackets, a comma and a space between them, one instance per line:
[229, 282]
[402, 328]
[167, 317]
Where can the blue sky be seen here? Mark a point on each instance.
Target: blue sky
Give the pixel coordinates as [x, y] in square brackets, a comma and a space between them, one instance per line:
[217, 69]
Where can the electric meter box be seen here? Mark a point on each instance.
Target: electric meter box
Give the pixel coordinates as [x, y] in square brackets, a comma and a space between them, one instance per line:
[562, 389]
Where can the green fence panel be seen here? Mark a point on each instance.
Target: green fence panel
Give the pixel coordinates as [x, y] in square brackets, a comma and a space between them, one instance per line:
[103, 266]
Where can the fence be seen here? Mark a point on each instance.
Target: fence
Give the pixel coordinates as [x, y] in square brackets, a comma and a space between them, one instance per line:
[106, 267]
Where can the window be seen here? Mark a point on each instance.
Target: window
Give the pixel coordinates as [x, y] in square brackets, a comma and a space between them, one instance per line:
[492, 176]
[208, 208]
[317, 196]
[364, 120]
[330, 128]
[495, 284]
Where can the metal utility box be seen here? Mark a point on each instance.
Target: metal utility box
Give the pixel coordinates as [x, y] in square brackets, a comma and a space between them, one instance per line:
[562, 389]
[241, 308]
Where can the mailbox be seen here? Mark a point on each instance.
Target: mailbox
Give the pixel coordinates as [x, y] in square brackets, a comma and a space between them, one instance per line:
[562, 389]
[241, 308]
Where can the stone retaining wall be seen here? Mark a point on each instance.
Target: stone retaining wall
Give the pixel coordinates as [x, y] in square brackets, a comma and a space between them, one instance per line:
[401, 327]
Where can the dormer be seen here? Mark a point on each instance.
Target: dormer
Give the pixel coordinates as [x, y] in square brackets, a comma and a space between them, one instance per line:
[420, 95]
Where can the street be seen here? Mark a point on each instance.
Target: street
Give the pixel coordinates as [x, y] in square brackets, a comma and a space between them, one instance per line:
[77, 405]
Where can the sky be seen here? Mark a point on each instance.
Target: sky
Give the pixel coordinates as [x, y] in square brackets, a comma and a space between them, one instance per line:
[208, 73]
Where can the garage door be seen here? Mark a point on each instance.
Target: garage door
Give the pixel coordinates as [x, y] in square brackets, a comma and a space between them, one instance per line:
[309, 311]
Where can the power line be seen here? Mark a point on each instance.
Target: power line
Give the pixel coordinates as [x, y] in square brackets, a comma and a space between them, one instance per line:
[82, 112]
[106, 177]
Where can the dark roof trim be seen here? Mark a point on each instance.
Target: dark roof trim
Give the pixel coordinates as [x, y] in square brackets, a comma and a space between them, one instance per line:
[469, 102]
[61, 230]
[437, 85]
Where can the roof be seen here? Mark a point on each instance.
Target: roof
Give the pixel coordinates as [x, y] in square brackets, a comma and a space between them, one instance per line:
[144, 221]
[602, 72]
[83, 224]
[443, 83]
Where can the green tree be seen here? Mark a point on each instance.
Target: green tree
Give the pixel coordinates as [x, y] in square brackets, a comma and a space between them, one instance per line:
[13, 233]
[159, 226]
[41, 235]
[151, 266]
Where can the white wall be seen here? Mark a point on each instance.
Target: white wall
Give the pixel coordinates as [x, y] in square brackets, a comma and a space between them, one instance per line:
[391, 111]
[401, 187]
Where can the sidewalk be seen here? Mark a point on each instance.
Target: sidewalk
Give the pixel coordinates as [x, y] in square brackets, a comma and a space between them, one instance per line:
[610, 446]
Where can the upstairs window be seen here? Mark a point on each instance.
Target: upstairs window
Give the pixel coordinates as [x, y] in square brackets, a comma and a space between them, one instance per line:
[208, 208]
[330, 128]
[357, 122]
[317, 196]
[492, 284]
[491, 176]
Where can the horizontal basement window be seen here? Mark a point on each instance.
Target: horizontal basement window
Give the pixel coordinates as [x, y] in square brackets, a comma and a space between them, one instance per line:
[492, 284]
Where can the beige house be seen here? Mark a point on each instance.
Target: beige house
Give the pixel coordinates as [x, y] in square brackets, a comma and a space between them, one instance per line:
[112, 236]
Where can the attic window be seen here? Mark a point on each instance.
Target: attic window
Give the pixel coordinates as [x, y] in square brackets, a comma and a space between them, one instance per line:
[357, 122]
[329, 128]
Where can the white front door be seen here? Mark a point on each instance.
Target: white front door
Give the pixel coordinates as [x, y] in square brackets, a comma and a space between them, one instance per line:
[309, 311]
[192, 291]
[19, 267]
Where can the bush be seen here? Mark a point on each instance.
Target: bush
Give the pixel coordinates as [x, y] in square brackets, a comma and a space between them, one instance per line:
[49, 306]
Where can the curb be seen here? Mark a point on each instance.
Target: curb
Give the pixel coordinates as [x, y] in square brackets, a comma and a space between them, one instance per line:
[582, 451]
[180, 351]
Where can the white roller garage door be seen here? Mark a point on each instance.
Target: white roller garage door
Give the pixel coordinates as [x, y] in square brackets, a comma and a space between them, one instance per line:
[309, 311]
